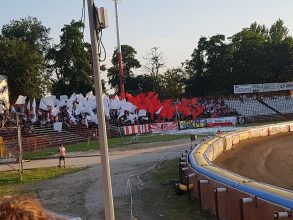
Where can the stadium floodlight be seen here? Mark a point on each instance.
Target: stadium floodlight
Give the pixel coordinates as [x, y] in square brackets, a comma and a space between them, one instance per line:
[119, 52]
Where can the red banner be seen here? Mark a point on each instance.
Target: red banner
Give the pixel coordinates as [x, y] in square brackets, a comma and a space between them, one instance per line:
[166, 126]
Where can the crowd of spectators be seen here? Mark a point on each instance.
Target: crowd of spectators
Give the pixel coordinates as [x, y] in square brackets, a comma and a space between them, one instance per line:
[215, 107]
[212, 107]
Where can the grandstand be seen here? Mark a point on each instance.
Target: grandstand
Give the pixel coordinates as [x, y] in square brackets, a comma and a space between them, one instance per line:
[40, 134]
[256, 109]
[283, 104]
[249, 107]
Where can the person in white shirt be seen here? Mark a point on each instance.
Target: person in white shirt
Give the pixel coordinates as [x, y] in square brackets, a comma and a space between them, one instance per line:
[62, 154]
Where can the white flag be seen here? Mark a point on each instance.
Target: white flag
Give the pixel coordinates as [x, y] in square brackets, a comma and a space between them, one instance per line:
[20, 100]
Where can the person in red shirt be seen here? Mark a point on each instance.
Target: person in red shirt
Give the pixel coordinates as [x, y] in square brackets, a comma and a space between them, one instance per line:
[62, 154]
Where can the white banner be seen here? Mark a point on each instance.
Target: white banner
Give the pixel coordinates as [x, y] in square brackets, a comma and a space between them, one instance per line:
[266, 87]
[270, 87]
[57, 126]
[248, 88]
[286, 86]
[225, 121]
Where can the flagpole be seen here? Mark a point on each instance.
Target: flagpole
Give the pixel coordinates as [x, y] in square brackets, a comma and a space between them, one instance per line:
[119, 52]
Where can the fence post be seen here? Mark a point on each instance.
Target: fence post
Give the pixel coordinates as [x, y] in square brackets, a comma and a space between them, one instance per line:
[188, 182]
[242, 202]
[216, 191]
[180, 172]
[199, 182]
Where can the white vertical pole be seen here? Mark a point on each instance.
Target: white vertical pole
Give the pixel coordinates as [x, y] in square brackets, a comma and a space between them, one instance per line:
[119, 52]
[117, 27]
[108, 196]
[19, 145]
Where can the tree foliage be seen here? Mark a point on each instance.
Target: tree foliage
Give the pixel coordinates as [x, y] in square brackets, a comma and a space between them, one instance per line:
[70, 62]
[256, 54]
[23, 44]
[29, 30]
[173, 83]
[129, 63]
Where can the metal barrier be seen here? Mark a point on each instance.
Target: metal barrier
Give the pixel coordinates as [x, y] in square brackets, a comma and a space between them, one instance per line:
[229, 195]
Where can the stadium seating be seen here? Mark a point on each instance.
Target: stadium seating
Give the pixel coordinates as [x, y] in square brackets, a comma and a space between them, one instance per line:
[283, 104]
[249, 107]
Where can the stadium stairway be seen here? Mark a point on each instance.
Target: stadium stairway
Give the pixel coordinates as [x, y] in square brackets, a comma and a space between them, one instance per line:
[270, 107]
[278, 116]
[41, 138]
[92, 132]
[44, 137]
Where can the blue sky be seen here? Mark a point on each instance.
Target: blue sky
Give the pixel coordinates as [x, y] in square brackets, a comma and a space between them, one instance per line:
[174, 25]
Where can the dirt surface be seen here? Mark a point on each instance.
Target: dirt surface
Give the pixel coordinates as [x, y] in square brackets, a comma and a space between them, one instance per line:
[265, 159]
[91, 158]
[81, 194]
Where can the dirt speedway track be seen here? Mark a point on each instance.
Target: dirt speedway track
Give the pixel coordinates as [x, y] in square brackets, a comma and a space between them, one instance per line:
[264, 159]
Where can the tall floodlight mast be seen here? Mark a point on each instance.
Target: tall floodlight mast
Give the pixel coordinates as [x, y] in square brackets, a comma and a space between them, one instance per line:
[119, 52]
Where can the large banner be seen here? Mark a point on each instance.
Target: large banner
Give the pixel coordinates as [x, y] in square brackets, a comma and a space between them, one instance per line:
[136, 129]
[266, 87]
[248, 88]
[192, 124]
[225, 121]
[166, 126]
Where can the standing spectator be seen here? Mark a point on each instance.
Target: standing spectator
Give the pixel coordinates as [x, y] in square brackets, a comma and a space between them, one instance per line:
[62, 154]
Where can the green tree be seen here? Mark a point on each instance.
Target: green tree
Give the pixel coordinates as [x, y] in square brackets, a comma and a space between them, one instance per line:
[209, 69]
[129, 63]
[29, 30]
[249, 56]
[280, 54]
[254, 55]
[23, 45]
[173, 83]
[70, 62]
[278, 32]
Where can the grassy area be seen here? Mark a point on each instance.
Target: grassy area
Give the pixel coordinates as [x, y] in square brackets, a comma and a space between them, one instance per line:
[10, 183]
[171, 205]
[94, 145]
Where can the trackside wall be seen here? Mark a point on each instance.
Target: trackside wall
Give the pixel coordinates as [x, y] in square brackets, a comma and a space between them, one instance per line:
[229, 195]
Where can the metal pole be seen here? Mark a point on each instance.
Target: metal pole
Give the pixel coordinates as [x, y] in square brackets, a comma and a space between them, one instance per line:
[108, 196]
[119, 52]
[19, 145]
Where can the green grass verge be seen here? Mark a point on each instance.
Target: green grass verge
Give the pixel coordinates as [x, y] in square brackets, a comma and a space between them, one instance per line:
[94, 145]
[174, 206]
[10, 183]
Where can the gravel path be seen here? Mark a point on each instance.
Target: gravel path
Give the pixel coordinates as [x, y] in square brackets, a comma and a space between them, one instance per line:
[81, 193]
